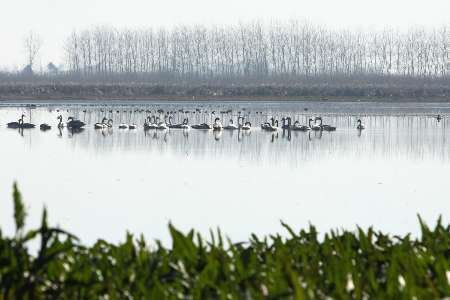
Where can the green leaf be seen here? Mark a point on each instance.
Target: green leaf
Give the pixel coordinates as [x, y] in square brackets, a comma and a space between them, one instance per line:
[19, 209]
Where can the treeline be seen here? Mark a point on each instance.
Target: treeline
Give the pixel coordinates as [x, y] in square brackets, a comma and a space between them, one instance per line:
[257, 50]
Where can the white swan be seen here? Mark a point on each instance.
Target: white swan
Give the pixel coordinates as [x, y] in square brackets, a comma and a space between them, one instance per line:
[247, 126]
[149, 124]
[185, 124]
[161, 125]
[298, 127]
[315, 126]
[270, 126]
[101, 125]
[231, 126]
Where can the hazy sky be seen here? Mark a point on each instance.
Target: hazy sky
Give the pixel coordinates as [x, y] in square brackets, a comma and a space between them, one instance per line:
[54, 19]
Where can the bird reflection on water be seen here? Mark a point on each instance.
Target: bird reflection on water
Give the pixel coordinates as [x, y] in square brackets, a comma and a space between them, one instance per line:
[413, 135]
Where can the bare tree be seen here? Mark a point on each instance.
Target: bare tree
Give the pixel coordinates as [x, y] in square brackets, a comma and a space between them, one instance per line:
[32, 44]
[291, 50]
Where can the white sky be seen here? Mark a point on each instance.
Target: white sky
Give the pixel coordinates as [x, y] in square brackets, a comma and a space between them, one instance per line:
[54, 19]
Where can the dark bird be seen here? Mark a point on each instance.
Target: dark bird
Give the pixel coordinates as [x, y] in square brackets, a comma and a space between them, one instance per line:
[360, 125]
[20, 124]
[14, 125]
[74, 124]
[45, 127]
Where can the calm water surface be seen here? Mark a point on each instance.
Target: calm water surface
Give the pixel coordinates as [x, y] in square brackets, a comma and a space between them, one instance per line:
[102, 183]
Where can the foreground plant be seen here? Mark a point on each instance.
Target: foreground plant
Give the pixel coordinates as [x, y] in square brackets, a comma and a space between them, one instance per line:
[343, 265]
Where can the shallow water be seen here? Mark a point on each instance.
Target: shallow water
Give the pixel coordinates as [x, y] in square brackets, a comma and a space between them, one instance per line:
[100, 183]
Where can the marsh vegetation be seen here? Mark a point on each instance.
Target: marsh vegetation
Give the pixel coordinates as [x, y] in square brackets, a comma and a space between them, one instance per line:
[306, 265]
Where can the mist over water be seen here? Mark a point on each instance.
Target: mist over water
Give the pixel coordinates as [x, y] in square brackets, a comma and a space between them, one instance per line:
[99, 183]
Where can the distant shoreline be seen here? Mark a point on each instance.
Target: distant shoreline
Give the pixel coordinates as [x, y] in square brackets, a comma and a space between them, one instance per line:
[289, 91]
[172, 98]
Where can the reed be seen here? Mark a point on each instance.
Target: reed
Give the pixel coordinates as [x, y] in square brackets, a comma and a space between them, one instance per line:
[358, 264]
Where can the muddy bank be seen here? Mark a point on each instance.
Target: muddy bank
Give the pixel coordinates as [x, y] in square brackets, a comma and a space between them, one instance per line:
[323, 92]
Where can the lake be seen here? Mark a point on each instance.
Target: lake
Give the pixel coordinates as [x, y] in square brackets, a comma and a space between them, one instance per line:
[101, 183]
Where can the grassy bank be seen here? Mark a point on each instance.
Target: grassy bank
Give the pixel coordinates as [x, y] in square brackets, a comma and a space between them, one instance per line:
[364, 90]
[362, 264]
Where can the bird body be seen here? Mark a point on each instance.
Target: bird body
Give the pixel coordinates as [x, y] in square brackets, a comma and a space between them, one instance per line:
[74, 124]
[286, 123]
[328, 128]
[247, 126]
[316, 127]
[45, 127]
[231, 126]
[201, 126]
[13, 125]
[20, 124]
[148, 124]
[217, 125]
[360, 125]
[178, 126]
[298, 127]
[162, 126]
[101, 125]
[270, 126]
[60, 124]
